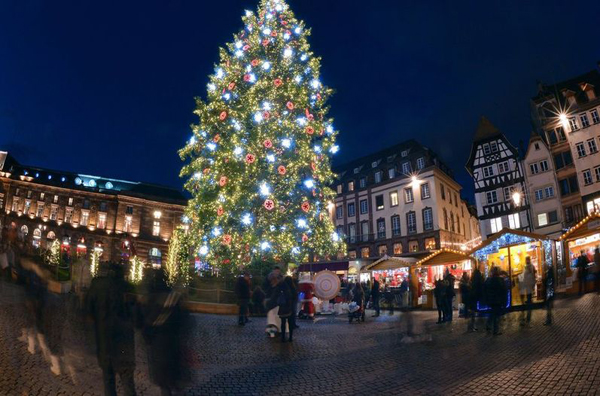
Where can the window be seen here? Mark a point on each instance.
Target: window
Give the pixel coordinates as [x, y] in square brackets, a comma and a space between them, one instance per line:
[536, 146]
[53, 212]
[595, 117]
[597, 173]
[156, 228]
[443, 192]
[397, 248]
[395, 225]
[420, 163]
[563, 159]
[15, 204]
[40, 209]
[549, 191]
[551, 137]
[356, 170]
[68, 215]
[488, 171]
[70, 203]
[351, 232]
[404, 153]
[411, 222]
[413, 246]
[553, 216]
[374, 164]
[430, 244]
[24, 230]
[27, 207]
[592, 146]
[351, 186]
[364, 206]
[339, 230]
[394, 198]
[378, 176]
[381, 228]
[391, 173]
[425, 193]
[128, 223]
[408, 195]
[486, 149]
[382, 249]
[85, 217]
[364, 230]
[339, 212]
[496, 224]
[428, 219]
[506, 191]
[379, 202]
[503, 167]
[86, 204]
[362, 182]
[28, 193]
[155, 257]
[352, 254]
[450, 197]
[455, 200]
[451, 221]
[445, 214]
[129, 210]
[364, 252]
[587, 177]
[533, 168]
[101, 221]
[1, 200]
[539, 194]
[514, 221]
[573, 124]
[569, 214]
[406, 168]
[580, 150]
[339, 189]
[585, 122]
[543, 166]
[102, 207]
[542, 219]
[42, 196]
[568, 185]
[492, 197]
[55, 200]
[351, 209]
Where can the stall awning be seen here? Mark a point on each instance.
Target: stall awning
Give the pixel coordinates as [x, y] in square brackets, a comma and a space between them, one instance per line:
[444, 256]
[586, 226]
[387, 263]
[322, 266]
[505, 233]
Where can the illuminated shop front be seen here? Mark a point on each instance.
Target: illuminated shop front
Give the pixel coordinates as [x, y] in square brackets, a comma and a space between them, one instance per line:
[508, 250]
[434, 267]
[583, 238]
[395, 274]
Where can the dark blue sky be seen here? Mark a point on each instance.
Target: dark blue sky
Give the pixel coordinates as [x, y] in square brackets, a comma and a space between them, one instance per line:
[107, 87]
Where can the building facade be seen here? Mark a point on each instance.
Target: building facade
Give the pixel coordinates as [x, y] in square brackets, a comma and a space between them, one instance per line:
[542, 188]
[567, 115]
[500, 194]
[398, 201]
[86, 212]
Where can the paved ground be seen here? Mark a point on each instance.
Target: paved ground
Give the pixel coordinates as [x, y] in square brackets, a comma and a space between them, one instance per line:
[332, 357]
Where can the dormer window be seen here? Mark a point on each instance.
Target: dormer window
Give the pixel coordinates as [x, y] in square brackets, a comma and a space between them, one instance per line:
[374, 164]
[494, 147]
[486, 149]
[404, 153]
[589, 90]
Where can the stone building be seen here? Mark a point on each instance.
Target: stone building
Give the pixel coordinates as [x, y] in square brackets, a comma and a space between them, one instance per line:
[87, 212]
[497, 172]
[400, 200]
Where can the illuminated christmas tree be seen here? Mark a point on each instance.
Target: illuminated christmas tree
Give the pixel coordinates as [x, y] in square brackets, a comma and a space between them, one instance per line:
[258, 161]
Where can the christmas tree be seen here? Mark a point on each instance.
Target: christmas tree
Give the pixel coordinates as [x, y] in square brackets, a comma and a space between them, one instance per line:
[258, 161]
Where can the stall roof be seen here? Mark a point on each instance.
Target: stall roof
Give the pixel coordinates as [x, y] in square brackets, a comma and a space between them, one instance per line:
[444, 256]
[580, 229]
[387, 262]
[504, 232]
[322, 266]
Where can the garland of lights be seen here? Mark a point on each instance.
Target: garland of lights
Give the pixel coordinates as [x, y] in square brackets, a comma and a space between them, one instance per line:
[94, 262]
[136, 270]
[178, 266]
[258, 161]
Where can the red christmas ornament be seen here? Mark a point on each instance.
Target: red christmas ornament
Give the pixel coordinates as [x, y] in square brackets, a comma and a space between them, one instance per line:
[219, 211]
[226, 261]
[278, 82]
[313, 166]
[265, 42]
[310, 130]
[226, 239]
[309, 116]
[217, 138]
[273, 33]
[268, 143]
[250, 158]
[266, 115]
[246, 77]
[206, 170]
[246, 47]
[305, 206]
[269, 204]
[319, 96]
[222, 181]
[223, 116]
[281, 169]
[254, 62]
[289, 105]
[231, 86]
[304, 238]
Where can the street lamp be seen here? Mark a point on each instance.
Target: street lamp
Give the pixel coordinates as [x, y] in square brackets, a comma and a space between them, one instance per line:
[517, 197]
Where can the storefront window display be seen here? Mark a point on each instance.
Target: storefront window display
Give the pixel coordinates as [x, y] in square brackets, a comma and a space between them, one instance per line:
[586, 245]
[392, 277]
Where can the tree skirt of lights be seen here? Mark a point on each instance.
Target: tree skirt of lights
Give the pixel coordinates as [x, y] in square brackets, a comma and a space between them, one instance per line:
[327, 285]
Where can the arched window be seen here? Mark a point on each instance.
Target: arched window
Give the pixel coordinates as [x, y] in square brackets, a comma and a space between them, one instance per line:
[51, 235]
[37, 233]
[24, 230]
[155, 257]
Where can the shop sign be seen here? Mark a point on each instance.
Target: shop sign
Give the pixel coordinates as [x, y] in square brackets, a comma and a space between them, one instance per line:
[586, 240]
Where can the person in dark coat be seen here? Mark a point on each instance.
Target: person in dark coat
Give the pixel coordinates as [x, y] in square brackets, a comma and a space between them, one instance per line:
[113, 325]
[258, 301]
[375, 296]
[294, 295]
[495, 292]
[582, 263]
[549, 295]
[475, 297]
[285, 301]
[449, 280]
[465, 292]
[440, 299]
[242, 292]
[162, 319]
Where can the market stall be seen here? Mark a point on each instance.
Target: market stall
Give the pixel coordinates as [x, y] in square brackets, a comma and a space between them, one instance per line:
[582, 238]
[434, 267]
[509, 250]
[394, 275]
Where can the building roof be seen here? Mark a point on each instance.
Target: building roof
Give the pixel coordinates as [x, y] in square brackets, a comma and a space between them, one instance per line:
[485, 130]
[83, 182]
[575, 85]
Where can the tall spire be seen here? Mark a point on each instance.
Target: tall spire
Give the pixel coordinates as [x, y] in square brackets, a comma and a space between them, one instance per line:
[485, 130]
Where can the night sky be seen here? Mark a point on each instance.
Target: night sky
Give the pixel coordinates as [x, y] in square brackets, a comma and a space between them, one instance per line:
[106, 88]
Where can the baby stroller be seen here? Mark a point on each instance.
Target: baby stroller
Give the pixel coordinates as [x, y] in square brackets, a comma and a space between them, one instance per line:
[356, 311]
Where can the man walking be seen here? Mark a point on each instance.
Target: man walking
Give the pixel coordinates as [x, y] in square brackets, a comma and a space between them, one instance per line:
[375, 297]
[476, 296]
[528, 286]
[495, 290]
[582, 263]
[449, 279]
[242, 292]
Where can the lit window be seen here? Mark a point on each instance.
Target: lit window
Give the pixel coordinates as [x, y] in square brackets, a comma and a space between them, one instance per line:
[70, 202]
[40, 209]
[397, 248]
[157, 214]
[68, 215]
[408, 195]
[15, 204]
[413, 246]
[101, 221]
[156, 228]
[514, 221]
[425, 193]
[364, 252]
[542, 219]
[394, 198]
[351, 186]
[339, 189]
[379, 202]
[42, 195]
[85, 217]
[381, 228]
[430, 244]
[382, 249]
[391, 173]
[55, 200]
[53, 212]
[155, 257]
[27, 207]
[496, 224]
[128, 223]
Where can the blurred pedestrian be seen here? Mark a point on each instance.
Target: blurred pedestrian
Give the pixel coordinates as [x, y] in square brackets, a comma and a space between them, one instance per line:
[271, 304]
[388, 294]
[440, 299]
[113, 325]
[495, 292]
[476, 296]
[375, 296]
[242, 292]
[582, 263]
[596, 269]
[258, 301]
[465, 293]
[449, 280]
[527, 289]
[294, 296]
[549, 294]
[284, 308]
